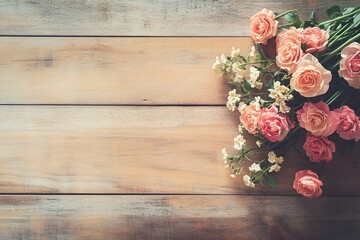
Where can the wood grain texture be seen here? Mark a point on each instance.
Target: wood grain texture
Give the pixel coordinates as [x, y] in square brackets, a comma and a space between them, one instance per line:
[86, 149]
[178, 217]
[113, 70]
[144, 18]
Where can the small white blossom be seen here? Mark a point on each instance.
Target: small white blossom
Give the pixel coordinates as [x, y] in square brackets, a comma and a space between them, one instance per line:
[219, 65]
[231, 106]
[258, 143]
[248, 182]
[239, 142]
[241, 107]
[255, 167]
[275, 167]
[272, 158]
[254, 75]
[235, 54]
[224, 154]
[226, 166]
[233, 96]
[232, 175]
[241, 128]
[281, 94]
[252, 53]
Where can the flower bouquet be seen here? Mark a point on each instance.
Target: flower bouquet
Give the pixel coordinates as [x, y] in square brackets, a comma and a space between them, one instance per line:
[307, 86]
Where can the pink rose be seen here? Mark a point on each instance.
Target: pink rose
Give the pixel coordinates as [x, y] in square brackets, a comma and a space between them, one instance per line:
[310, 78]
[288, 49]
[273, 125]
[350, 65]
[348, 124]
[249, 118]
[308, 184]
[315, 39]
[318, 148]
[263, 26]
[317, 119]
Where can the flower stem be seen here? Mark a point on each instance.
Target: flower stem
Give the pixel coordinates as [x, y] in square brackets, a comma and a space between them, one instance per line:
[284, 13]
[338, 18]
[338, 50]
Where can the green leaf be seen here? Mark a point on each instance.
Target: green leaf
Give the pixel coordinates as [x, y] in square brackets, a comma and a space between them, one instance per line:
[270, 84]
[293, 19]
[271, 181]
[303, 46]
[334, 12]
[245, 86]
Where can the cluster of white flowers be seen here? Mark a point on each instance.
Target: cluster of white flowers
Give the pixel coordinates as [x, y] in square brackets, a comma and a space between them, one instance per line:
[238, 71]
[239, 142]
[252, 54]
[254, 76]
[235, 54]
[280, 94]
[233, 99]
[219, 65]
[248, 182]
[276, 161]
[255, 167]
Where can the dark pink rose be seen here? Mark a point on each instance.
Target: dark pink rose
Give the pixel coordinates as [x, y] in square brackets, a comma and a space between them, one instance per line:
[308, 184]
[318, 148]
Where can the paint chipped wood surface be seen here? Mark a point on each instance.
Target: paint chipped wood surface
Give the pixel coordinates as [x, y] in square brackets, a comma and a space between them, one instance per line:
[113, 70]
[143, 17]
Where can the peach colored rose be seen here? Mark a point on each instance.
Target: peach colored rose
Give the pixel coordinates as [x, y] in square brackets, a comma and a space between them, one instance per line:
[348, 124]
[273, 125]
[317, 119]
[310, 78]
[350, 65]
[249, 118]
[308, 184]
[318, 148]
[315, 39]
[288, 49]
[263, 26]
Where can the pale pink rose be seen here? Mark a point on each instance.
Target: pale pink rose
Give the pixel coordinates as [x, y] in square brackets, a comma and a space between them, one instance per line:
[263, 26]
[249, 118]
[273, 125]
[308, 184]
[288, 49]
[310, 78]
[315, 39]
[317, 119]
[318, 148]
[348, 124]
[350, 65]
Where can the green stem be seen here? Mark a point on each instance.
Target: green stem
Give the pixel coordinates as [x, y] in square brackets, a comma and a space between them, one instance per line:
[284, 13]
[334, 97]
[338, 50]
[338, 18]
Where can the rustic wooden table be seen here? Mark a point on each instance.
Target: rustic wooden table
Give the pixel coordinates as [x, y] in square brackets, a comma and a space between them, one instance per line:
[111, 125]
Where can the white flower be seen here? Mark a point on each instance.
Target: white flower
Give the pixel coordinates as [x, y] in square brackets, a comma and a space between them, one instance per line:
[231, 106]
[275, 167]
[224, 154]
[235, 54]
[241, 107]
[226, 166]
[241, 129]
[219, 65]
[232, 175]
[254, 75]
[255, 167]
[239, 142]
[233, 96]
[252, 53]
[248, 182]
[258, 143]
[280, 94]
[271, 157]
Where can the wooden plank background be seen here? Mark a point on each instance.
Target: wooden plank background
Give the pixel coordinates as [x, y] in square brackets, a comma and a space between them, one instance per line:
[107, 132]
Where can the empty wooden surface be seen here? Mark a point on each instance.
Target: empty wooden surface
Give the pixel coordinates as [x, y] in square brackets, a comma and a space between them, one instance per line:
[91, 149]
[144, 18]
[113, 70]
[178, 217]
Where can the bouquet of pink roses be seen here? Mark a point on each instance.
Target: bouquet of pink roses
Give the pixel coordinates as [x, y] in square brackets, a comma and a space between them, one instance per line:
[312, 82]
